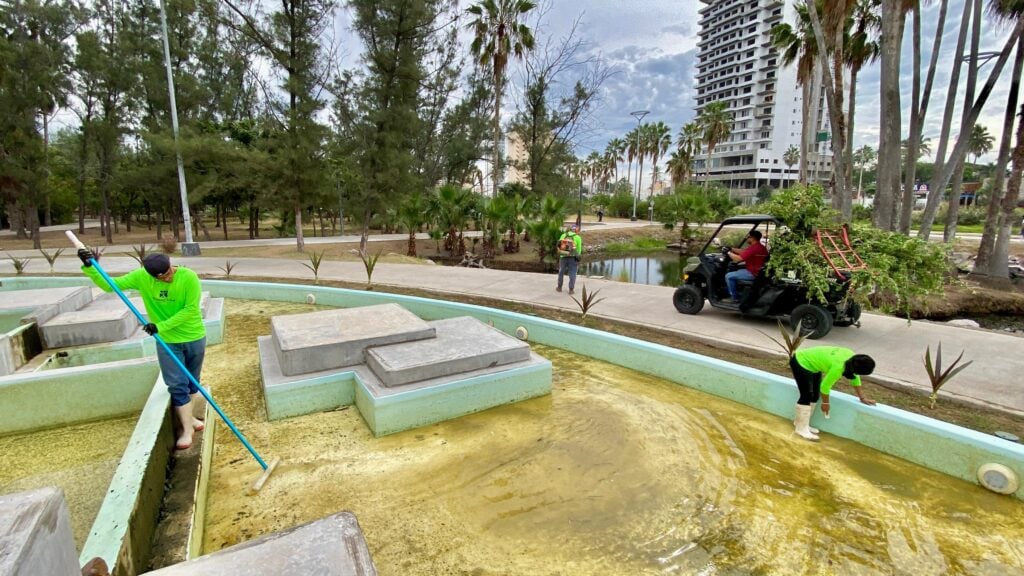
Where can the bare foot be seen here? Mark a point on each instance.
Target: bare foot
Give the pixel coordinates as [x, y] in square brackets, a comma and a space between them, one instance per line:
[184, 441]
[198, 425]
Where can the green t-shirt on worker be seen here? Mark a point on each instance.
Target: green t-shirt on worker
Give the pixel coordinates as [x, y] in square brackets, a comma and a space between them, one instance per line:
[172, 306]
[577, 243]
[828, 361]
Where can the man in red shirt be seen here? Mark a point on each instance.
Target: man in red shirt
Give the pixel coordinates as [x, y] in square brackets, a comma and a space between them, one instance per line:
[753, 257]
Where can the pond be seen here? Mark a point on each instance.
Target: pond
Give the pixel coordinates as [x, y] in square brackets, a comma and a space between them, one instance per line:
[614, 472]
[657, 269]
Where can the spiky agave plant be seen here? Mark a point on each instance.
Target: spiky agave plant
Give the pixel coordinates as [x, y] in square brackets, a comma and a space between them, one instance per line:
[51, 259]
[315, 259]
[790, 340]
[369, 263]
[19, 263]
[227, 268]
[140, 252]
[587, 300]
[937, 375]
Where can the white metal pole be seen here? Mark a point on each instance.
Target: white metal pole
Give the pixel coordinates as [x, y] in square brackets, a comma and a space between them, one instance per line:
[174, 127]
[639, 115]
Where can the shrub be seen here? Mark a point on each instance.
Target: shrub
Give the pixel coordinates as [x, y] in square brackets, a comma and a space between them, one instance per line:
[169, 245]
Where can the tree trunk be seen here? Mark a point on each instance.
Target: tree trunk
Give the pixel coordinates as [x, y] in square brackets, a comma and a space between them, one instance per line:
[105, 191]
[496, 128]
[890, 119]
[966, 125]
[998, 266]
[834, 95]
[934, 193]
[805, 138]
[46, 172]
[963, 140]
[412, 243]
[300, 241]
[990, 260]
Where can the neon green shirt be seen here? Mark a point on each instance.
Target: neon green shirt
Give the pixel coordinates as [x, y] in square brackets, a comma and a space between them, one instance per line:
[173, 306]
[829, 361]
[577, 243]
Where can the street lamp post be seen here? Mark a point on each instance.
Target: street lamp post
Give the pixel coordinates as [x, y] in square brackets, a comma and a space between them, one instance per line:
[189, 248]
[639, 115]
[579, 207]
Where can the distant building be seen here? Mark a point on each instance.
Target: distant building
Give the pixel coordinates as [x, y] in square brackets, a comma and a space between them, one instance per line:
[737, 64]
[516, 158]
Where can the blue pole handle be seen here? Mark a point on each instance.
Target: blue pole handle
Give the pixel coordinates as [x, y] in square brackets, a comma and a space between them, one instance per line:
[181, 366]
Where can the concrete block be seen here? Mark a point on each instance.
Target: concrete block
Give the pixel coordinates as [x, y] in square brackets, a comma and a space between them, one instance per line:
[35, 534]
[288, 396]
[389, 410]
[328, 339]
[89, 326]
[460, 345]
[331, 546]
[67, 299]
[213, 319]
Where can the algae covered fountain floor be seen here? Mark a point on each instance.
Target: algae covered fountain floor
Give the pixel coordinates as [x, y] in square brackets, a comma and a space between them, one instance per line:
[79, 459]
[613, 473]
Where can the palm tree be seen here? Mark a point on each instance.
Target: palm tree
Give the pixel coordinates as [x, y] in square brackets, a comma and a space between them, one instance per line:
[923, 149]
[797, 45]
[631, 150]
[661, 139]
[613, 155]
[688, 144]
[678, 167]
[864, 156]
[499, 34]
[861, 49]
[643, 147]
[412, 214]
[716, 125]
[791, 156]
[981, 142]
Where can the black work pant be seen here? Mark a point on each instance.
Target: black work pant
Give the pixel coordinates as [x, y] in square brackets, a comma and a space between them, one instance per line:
[809, 383]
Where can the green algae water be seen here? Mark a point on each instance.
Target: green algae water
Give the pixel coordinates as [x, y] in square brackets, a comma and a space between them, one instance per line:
[614, 473]
[79, 459]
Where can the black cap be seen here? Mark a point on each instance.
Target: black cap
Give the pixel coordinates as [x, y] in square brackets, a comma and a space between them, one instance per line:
[156, 264]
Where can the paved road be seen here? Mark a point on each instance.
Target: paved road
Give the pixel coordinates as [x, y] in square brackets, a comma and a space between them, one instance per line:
[897, 345]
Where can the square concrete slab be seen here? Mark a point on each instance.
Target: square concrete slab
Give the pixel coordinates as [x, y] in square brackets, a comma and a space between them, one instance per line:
[328, 339]
[460, 345]
[88, 326]
[35, 534]
[76, 297]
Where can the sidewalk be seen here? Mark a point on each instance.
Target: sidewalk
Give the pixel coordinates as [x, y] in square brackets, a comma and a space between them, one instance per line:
[897, 345]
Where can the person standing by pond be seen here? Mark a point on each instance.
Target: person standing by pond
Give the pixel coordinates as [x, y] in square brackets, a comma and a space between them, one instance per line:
[171, 295]
[816, 370]
[570, 246]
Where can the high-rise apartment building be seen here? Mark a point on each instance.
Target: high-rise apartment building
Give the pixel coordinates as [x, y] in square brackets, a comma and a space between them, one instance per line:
[738, 65]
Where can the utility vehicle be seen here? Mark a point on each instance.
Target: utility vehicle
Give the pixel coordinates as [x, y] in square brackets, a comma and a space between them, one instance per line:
[765, 296]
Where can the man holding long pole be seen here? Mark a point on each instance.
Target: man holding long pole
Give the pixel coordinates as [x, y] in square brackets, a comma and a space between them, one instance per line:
[171, 295]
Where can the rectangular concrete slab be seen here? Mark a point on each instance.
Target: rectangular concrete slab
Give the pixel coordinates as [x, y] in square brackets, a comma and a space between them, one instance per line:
[288, 396]
[88, 326]
[460, 345]
[331, 546]
[35, 534]
[328, 339]
[72, 298]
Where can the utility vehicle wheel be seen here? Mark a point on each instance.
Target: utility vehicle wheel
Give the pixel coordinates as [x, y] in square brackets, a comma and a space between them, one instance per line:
[688, 299]
[814, 321]
[852, 316]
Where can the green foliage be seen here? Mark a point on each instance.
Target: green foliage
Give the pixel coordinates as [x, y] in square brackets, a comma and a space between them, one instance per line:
[620, 203]
[139, 252]
[635, 245]
[861, 213]
[685, 206]
[936, 375]
[548, 227]
[897, 265]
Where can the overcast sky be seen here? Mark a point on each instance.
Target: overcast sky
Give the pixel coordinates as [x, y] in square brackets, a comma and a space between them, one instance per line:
[652, 46]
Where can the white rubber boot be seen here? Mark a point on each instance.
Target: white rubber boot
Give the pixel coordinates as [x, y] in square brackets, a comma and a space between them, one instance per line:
[809, 427]
[801, 422]
[187, 421]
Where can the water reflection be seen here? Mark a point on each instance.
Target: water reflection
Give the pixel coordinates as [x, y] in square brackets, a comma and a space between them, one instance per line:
[659, 269]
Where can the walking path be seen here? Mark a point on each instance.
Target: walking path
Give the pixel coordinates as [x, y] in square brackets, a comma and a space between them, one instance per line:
[897, 345]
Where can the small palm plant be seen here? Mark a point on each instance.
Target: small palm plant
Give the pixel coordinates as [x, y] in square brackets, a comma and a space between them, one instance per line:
[140, 252]
[937, 375]
[227, 268]
[791, 341]
[19, 263]
[587, 301]
[369, 263]
[623, 275]
[51, 259]
[315, 259]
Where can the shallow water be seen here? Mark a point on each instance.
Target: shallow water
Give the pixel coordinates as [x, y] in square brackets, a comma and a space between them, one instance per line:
[613, 473]
[79, 459]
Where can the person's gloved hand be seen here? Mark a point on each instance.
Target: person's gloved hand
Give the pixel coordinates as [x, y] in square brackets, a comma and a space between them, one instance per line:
[150, 329]
[86, 256]
[725, 250]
